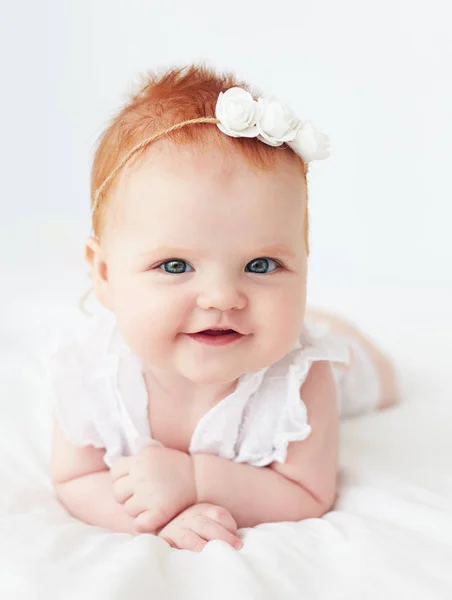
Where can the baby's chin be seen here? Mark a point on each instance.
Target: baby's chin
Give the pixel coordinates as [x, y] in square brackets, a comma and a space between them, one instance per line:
[220, 372]
[210, 376]
[211, 368]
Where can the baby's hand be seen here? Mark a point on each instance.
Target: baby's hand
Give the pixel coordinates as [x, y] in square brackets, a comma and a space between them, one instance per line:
[154, 486]
[199, 524]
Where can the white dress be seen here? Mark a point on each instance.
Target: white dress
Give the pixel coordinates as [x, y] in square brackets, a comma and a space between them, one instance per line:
[100, 397]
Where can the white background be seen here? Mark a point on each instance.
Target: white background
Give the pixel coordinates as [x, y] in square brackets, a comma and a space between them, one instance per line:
[375, 76]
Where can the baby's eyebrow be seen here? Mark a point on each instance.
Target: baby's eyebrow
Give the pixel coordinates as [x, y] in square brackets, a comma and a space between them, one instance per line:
[172, 251]
[168, 251]
[276, 250]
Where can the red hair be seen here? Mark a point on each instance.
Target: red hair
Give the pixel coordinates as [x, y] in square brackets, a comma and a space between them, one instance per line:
[178, 95]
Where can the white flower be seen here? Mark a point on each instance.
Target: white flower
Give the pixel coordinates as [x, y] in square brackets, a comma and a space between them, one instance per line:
[310, 143]
[271, 121]
[236, 110]
[276, 122]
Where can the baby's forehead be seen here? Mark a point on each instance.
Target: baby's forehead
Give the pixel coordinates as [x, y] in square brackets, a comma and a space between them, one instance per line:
[205, 163]
[170, 194]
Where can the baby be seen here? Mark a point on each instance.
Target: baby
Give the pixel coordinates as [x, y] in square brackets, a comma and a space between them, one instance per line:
[201, 396]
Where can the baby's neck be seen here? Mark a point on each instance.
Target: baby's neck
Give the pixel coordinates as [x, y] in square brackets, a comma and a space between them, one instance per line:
[181, 389]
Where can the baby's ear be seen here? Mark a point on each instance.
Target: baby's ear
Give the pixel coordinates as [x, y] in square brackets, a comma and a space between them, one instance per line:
[99, 270]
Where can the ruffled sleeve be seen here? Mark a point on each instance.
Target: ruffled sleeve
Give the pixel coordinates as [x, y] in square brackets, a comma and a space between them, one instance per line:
[316, 345]
[72, 371]
[276, 415]
[99, 396]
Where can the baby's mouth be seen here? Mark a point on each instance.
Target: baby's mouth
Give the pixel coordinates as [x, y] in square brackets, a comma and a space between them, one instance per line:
[217, 331]
[216, 337]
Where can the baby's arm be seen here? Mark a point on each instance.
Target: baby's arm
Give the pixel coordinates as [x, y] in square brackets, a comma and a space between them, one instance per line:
[83, 485]
[302, 487]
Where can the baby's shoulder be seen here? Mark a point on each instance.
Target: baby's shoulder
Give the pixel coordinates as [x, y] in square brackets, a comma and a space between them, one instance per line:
[275, 413]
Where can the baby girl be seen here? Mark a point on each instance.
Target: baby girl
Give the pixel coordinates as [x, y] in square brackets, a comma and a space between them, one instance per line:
[200, 395]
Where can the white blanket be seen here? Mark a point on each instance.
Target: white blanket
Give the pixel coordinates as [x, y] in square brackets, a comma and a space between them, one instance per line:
[389, 536]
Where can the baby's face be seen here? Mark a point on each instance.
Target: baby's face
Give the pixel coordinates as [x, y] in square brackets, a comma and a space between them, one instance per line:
[201, 241]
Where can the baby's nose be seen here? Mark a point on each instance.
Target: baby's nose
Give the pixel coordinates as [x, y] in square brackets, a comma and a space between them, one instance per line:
[222, 296]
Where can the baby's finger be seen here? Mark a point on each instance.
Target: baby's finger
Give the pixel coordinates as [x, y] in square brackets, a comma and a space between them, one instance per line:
[122, 489]
[149, 521]
[120, 468]
[210, 530]
[222, 516]
[135, 505]
[185, 539]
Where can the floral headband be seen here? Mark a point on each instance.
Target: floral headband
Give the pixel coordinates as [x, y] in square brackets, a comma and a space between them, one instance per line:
[271, 121]
[239, 115]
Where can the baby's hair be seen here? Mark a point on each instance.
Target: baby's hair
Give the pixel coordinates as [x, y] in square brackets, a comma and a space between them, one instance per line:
[178, 104]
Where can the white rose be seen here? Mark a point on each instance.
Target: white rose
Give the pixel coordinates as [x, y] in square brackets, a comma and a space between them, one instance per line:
[236, 110]
[310, 143]
[276, 122]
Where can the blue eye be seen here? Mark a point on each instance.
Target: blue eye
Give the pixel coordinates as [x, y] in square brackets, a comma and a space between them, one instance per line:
[262, 265]
[175, 266]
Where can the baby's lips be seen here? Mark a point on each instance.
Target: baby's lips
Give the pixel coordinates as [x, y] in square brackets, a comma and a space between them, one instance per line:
[219, 329]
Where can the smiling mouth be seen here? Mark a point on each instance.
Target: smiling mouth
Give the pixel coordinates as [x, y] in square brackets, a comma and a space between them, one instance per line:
[216, 337]
[217, 331]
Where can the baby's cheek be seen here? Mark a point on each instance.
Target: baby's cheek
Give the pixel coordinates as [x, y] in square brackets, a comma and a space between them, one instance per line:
[149, 323]
[282, 321]
[286, 329]
[136, 322]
